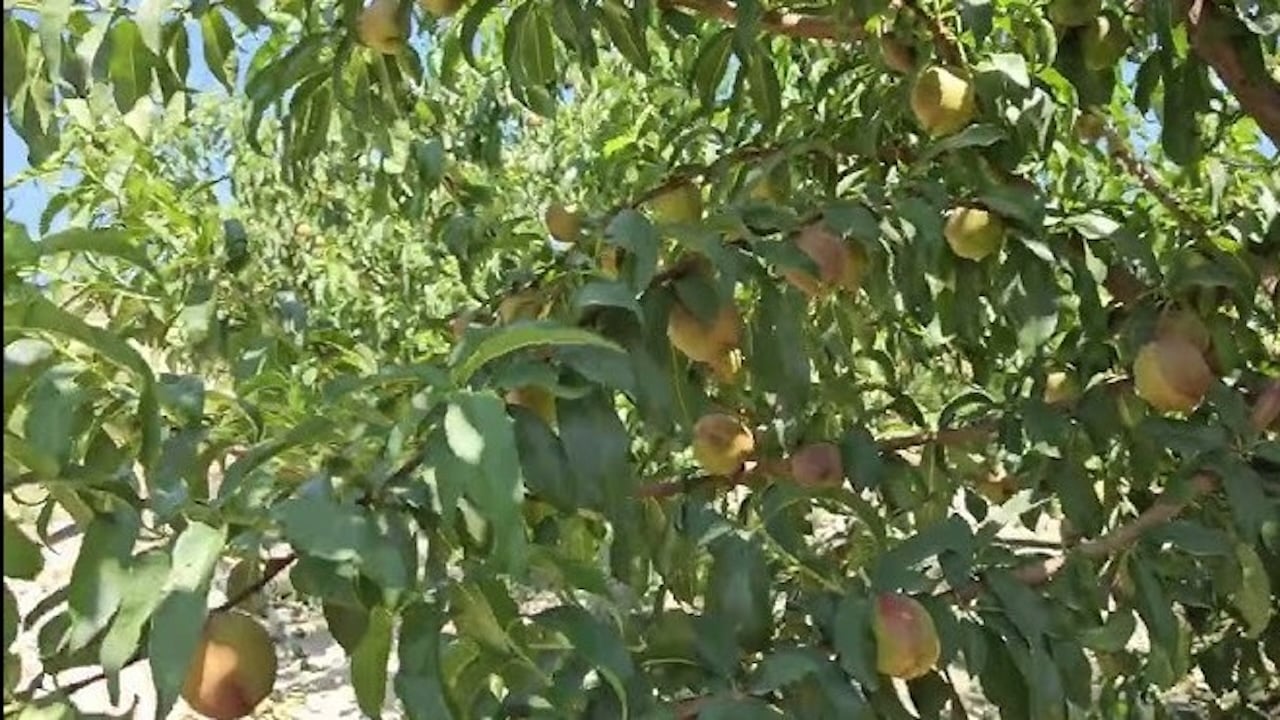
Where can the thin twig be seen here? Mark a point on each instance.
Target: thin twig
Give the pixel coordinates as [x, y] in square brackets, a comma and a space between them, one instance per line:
[944, 40]
[1168, 507]
[274, 567]
[1124, 155]
[777, 22]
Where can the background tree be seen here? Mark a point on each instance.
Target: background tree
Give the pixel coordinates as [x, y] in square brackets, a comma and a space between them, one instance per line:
[846, 301]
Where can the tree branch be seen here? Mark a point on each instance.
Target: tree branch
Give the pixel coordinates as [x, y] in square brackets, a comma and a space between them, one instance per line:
[1123, 154]
[1214, 37]
[778, 22]
[944, 41]
[979, 430]
[1168, 507]
[274, 567]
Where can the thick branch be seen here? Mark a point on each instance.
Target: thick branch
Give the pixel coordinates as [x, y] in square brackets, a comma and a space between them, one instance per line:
[1213, 36]
[778, 22]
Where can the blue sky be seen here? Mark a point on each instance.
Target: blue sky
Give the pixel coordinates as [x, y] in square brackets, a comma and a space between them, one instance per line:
[25, 203]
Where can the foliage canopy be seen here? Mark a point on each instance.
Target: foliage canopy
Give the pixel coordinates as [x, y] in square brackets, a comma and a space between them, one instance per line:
[294, 302]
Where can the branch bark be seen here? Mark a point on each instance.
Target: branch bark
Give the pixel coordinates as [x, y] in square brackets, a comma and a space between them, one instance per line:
[1122, 152]
[778, 22]
[1168, 507]
[1212, 35]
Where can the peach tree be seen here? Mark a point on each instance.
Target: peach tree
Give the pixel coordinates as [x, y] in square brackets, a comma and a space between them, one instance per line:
[651, 358]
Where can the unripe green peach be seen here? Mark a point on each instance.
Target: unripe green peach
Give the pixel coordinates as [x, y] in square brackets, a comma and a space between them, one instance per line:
[943, 100]
[974, 233]
[1171, 374]
[681, 203]
[440, 8]
[1073, 13]
[721, 443]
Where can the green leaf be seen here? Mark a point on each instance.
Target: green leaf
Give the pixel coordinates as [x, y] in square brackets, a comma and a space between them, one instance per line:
[149, 16]
[779, 359]
[307, 431]
[739, 591]
[1153, 602]
[219, 48]
[113, 243]
[346, 533]
[37, 313]
[784, 667]
[22, 557]
[1252, 599]
[1047, 696]
[475, 15]
[130, 64]
[1023, 606]
[178, 623]
[347, 623]
[737, 708]
[597, 447]
[633, 232]
[855, 642]
[625, 33]
[711, 65]
[892, 569]
[100, 575]
[143, 591]
[1192, 537]
[598, 642]
[369, 662]
[481, 435]
[419, 681]
[1112, 635]
[17, 38]
[519, 336]
[762, 83]
[1012, 66]
[1249, 505]
[53, 19]
[543, 461]
[601, 293]
[861, 457]
[977, 135]
[537, 46]
[475, 618]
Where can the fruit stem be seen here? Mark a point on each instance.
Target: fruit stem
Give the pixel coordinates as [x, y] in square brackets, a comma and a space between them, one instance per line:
[274, 567]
